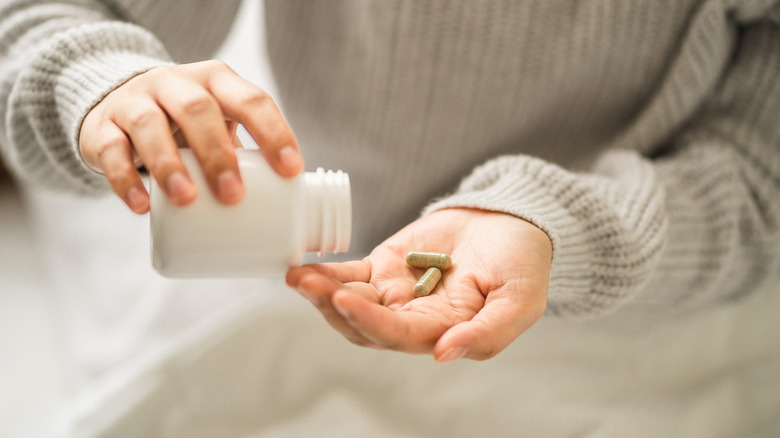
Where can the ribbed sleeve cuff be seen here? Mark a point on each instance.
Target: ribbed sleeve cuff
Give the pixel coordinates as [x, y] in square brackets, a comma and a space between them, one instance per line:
[66, 79]
[599, 256]
[513, 186]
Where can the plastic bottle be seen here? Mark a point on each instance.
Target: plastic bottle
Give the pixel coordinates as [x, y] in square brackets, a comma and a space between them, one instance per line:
[278, 220]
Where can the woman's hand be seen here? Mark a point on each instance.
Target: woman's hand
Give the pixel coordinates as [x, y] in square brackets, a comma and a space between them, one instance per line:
[194, 105]
[495, 290]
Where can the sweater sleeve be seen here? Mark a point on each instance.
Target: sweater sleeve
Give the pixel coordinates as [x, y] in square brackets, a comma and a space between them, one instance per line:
[57, 60]
[695, 221]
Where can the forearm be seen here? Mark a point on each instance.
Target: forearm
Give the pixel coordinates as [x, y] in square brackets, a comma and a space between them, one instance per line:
[722, 183]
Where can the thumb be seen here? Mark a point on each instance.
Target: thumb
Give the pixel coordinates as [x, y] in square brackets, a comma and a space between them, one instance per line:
[507, 313]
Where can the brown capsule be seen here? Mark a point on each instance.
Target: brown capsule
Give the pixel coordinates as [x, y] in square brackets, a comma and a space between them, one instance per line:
[427, 282]
[426, 260]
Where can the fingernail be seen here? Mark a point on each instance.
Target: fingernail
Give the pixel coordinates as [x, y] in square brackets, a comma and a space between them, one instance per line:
[137, 200]
[453, 353]
[228, 185]
[179, 186]
[290, 158]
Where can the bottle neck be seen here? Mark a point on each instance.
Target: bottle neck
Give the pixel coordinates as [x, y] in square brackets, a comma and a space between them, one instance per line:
[328, 211]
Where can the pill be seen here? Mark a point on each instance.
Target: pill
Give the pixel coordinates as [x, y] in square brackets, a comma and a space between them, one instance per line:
[427, 282]
[429, 259]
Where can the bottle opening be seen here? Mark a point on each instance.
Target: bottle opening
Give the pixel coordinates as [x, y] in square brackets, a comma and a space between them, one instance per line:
[329, 211]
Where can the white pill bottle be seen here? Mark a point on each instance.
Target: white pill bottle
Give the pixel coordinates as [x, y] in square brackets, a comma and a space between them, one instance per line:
[278, 220]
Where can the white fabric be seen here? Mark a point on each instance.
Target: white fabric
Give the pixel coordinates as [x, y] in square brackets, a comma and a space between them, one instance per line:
[277, 370]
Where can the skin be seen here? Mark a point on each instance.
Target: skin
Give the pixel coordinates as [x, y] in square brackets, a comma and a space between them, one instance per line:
[199, 106]
[495, 290]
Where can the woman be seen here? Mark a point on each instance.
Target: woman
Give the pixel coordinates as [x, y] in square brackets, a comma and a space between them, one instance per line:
[590, 158]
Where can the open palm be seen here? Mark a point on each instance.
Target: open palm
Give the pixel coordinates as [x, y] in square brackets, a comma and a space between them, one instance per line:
[495, 290]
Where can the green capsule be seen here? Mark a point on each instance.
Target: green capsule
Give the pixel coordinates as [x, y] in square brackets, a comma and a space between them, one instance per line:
[429, 259]
[427, 282]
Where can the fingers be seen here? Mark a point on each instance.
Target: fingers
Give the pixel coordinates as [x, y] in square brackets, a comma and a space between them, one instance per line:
[115, 159]
[200, 120]
[346, 272]
[318, 285]
[255, 109]
[408, 331]
[355, 308]
[319, 290]
[343, 294]
[147, 126]
[506, 315]
[201, 103]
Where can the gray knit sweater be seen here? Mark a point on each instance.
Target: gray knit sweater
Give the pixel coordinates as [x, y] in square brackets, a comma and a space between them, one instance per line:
[643, 137]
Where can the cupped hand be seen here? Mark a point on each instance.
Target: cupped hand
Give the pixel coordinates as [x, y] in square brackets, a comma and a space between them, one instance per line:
[197, 105]
[495, 290]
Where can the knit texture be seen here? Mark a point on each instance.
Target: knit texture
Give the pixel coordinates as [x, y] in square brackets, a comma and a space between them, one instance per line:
[58, 60]
[642, 137]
